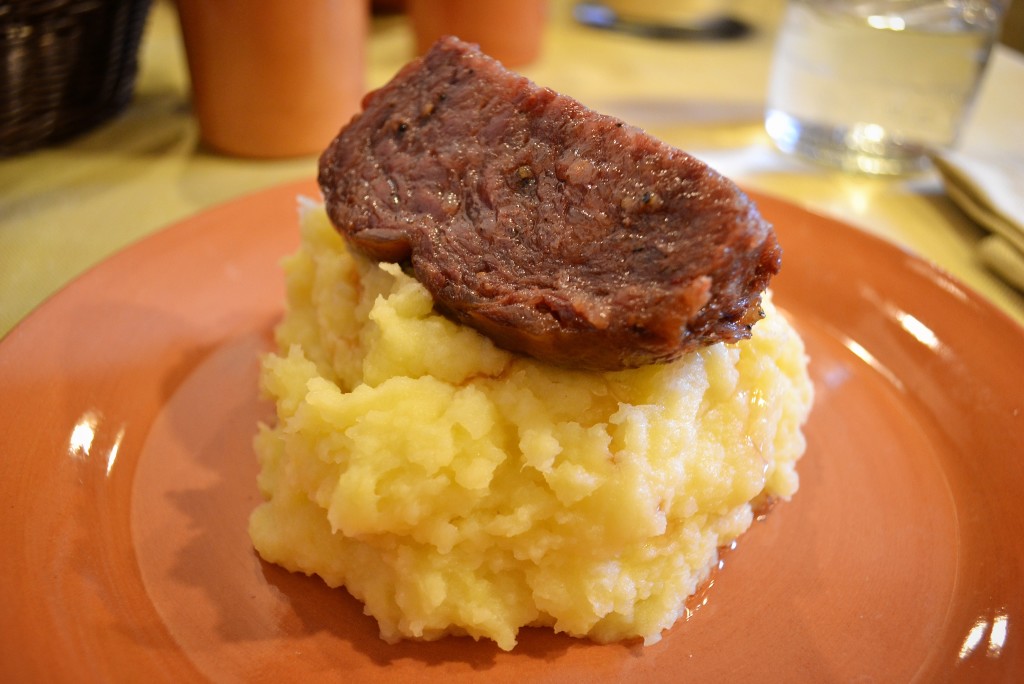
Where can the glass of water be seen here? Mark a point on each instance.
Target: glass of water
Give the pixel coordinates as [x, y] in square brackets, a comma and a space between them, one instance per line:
[875, 85]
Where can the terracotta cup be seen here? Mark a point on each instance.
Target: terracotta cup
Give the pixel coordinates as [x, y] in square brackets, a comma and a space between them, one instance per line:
[274, 78]
[510, 32]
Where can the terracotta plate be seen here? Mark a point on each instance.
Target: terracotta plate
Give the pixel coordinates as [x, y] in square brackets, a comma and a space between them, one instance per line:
[128, 403]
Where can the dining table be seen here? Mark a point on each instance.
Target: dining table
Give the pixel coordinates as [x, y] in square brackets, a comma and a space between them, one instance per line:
[137, 198]
[65, 208]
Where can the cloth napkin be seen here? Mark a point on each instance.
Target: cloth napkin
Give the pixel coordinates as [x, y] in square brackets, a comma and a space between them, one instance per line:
[990, 189]
[984, 174]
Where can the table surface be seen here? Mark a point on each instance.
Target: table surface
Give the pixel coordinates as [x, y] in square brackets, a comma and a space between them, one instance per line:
[66, 208]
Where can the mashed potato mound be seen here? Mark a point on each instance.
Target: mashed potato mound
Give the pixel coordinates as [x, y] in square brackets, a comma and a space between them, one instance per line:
[456, 488]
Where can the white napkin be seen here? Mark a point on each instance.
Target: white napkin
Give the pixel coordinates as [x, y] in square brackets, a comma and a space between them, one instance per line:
[990, 189]
[984, 175]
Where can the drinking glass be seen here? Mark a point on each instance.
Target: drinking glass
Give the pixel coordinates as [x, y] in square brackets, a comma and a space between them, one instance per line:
[874, 86]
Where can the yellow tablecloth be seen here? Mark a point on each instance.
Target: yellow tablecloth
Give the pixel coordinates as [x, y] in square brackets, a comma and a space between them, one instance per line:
[65, 209]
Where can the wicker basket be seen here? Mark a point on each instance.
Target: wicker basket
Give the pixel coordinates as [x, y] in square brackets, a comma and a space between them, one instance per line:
[68, 65]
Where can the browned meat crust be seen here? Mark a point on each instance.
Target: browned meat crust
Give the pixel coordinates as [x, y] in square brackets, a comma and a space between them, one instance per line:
[556, 231]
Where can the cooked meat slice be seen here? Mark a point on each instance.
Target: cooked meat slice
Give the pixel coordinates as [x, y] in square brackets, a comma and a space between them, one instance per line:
[556, 231]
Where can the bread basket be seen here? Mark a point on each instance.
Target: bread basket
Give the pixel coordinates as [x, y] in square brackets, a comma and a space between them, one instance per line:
[68, 65]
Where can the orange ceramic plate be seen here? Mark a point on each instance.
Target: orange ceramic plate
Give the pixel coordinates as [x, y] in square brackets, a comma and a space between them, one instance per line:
[129, 401]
